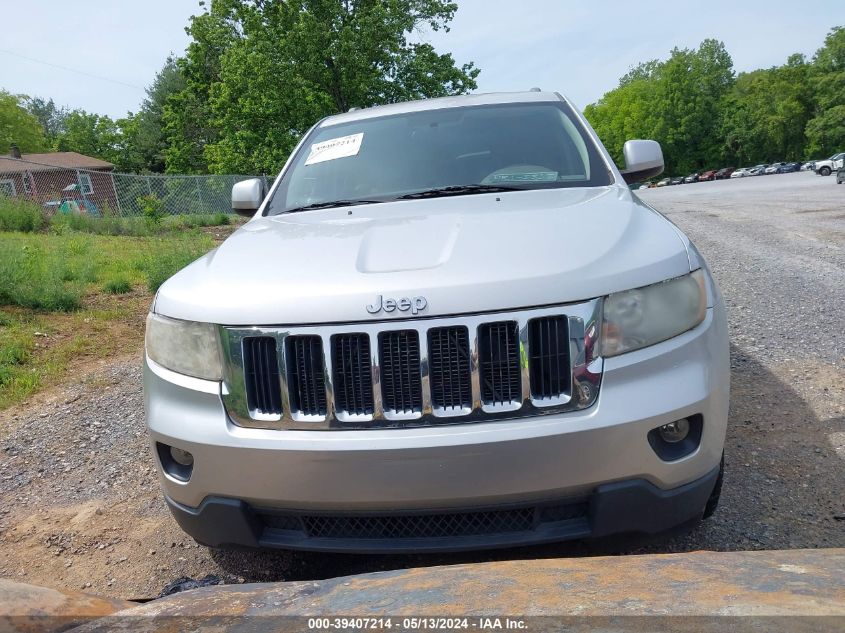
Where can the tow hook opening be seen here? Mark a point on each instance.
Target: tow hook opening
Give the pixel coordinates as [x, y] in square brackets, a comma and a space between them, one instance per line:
[677, 439]
[176, 462]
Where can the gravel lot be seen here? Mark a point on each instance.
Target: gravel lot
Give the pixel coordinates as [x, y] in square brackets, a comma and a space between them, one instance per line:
[80, 506]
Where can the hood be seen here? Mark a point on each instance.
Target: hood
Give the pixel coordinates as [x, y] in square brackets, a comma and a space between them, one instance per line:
[463, 254]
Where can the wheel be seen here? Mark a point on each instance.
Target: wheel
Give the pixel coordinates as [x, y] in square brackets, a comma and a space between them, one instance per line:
[824, 171]
[713, 501]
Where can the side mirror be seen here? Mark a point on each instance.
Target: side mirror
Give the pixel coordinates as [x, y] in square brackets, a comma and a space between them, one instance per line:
[247, 196]
[643, 159]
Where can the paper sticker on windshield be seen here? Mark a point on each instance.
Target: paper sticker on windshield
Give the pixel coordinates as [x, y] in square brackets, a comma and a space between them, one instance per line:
[523, 176]
[340, 147]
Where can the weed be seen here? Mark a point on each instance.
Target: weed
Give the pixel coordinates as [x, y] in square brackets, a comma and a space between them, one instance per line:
[20, 215]
[117, 286]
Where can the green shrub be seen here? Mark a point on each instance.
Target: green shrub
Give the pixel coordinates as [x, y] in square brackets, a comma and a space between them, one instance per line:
[20, 215]
[193, 221]
[220, 219]
[152, 209]
[137, 227]
[117, 286]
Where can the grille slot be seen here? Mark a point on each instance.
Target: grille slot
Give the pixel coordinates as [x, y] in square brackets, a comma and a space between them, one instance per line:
[261, 374]
[306, 377]
[548, 339]
[353, 376]
[449, 366]
[498, 353]
[427, 525]
[401, 385]
[420, 526]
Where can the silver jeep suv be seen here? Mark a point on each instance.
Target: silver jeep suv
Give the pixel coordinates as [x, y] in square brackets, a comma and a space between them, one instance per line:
[448, 325]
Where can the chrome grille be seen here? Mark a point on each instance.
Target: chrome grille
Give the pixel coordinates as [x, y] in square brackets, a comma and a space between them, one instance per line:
[306, 378]
[261, 373]
[401, 387]
[549, 360]
[353, 377]
[498, 357]
[414, 372]
[450, 367]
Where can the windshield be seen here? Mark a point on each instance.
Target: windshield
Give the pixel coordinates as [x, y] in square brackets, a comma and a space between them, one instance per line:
[454, 151]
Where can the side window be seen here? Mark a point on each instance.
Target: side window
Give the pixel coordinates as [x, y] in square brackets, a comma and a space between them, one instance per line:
[7, 188]
[85, 184]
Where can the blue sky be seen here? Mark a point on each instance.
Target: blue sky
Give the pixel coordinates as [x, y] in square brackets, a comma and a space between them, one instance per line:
[578, 48]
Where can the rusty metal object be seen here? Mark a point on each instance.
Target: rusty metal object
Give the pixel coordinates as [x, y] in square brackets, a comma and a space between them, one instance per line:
[30, 609]
[765, 583]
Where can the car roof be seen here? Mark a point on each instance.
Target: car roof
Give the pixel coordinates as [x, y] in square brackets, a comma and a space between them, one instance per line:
[422, 105]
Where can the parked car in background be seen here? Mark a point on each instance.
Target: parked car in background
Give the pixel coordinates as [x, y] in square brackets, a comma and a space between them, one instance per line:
[827, 167]
[742, 172]
[789, 168]
[757, 170]
[840, 176]
[774, 168]
[691, 178]
[724, 172]
[664, 182]
[809, 166]
[707, 175]
[679, 180]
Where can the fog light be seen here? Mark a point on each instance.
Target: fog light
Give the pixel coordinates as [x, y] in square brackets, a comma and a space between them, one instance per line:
[674, 432]
[183, 458]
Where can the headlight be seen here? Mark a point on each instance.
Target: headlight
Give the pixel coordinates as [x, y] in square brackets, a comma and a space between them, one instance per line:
[638, 318]
[184, 347]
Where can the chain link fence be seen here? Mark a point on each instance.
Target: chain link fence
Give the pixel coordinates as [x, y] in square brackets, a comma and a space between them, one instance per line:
[105, 193]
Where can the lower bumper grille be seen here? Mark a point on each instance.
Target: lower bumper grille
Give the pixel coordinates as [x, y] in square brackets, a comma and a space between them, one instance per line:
[421, 526]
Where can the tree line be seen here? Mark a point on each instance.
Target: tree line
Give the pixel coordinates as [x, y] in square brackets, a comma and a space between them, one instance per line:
[706, 116]
[257, 74]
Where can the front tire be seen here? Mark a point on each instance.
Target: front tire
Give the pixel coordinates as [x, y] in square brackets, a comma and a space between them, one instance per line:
[824, 171]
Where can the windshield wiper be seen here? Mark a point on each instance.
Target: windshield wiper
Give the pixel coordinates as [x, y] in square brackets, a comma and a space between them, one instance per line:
[331, 205]
[458, 190]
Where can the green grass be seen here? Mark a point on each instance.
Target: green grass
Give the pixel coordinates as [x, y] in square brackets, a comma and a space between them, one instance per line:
[63, 297]
[53, 272]
[74, 287]
[117, 286]
[196, 221]
[27, 217]
[17, 215]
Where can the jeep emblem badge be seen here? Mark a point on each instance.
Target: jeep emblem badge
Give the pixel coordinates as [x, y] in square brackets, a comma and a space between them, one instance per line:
[414, 304]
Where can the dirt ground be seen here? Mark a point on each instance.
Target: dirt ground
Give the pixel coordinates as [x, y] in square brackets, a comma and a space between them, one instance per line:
[80, 505]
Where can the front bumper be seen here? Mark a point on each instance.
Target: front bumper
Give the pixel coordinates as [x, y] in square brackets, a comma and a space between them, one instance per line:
[509, 463]
[633, 506]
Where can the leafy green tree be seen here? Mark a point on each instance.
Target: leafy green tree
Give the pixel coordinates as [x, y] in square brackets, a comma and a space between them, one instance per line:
[678, 102]
[826, 130]
[260, 73]
[90, 134]
[144, 137]
[767, 112]
[51, 116]
[19, 127]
